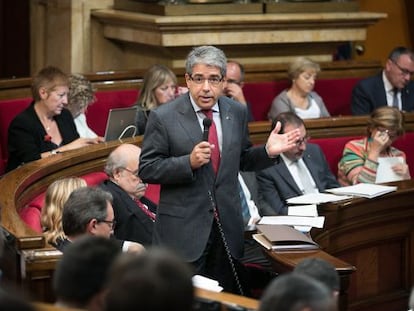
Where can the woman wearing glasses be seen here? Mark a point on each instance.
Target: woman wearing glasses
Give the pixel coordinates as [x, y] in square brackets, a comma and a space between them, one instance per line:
[362, 158]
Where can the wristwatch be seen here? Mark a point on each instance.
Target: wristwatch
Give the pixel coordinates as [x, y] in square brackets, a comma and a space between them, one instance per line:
[55, 151]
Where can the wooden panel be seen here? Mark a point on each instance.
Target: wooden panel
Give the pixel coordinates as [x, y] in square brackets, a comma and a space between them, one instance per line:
[113, 80]
[188, 9]
[376, 236]
[326, 127]
[315, 6]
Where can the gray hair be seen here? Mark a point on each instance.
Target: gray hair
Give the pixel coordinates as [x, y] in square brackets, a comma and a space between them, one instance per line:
[207, 55]
[120, 157]
[299, 65]
[396, 53]
[115, 161]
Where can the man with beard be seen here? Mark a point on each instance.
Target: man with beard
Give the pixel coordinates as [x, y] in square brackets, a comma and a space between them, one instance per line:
[302, 170]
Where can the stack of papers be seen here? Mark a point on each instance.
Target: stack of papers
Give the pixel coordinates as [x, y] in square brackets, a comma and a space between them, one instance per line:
[301, 217]
[317, 198]
[206, 283]
[283, 238]
[363, 190]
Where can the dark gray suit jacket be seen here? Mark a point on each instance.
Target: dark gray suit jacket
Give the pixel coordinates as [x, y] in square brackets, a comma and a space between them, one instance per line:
[276, 184]
[185, 210]
[132, 224]
[369, 94]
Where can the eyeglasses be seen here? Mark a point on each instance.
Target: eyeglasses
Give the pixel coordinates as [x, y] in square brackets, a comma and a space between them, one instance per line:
[301, 141]
[404, 71]
[110, 223]
[391, 134]
[231, 81]
[211, 80]
[135, 173]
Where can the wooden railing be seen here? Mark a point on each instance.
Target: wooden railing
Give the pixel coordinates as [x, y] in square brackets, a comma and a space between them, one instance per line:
[326, 127]
[20, 87]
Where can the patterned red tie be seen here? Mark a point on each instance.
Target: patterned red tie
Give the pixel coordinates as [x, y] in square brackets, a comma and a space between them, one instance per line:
[145, 209]
[213, 139]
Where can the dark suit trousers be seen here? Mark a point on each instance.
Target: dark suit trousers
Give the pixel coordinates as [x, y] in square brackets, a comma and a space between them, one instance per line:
[215, 263]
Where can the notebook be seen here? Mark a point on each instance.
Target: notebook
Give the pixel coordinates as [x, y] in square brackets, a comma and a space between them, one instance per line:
[283, 238]
[120, 123]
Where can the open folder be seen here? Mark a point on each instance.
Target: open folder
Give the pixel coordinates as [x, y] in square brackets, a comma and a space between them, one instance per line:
[283, 238]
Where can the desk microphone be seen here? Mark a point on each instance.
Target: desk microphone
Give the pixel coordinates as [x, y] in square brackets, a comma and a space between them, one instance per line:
[206, 123]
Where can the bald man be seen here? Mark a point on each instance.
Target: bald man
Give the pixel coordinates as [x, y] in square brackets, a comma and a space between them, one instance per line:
[233, 85]
[134, 214]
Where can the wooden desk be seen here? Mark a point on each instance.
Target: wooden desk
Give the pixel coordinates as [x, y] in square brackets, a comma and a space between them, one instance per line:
[286, 261]
[377, 236]
[228, 299]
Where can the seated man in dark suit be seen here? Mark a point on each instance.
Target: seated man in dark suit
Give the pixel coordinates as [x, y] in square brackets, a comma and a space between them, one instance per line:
[303, 169]
[134, 214]
[88, 211]
[391, 87]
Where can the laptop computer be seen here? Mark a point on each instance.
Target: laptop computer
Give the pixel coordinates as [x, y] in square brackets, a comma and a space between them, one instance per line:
[120, 123]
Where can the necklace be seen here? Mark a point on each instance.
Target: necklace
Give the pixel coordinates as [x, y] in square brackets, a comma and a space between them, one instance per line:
[47, 127]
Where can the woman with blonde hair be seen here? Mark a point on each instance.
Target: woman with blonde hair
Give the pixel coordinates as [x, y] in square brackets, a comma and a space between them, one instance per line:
[56, 195]
[361, 158]
[300, 98]
[159, 87]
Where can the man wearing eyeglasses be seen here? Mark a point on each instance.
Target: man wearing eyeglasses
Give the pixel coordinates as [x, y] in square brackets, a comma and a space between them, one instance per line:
[302, 170]
[392, 87]
[134, 213]
[196, 162]
[88, 211]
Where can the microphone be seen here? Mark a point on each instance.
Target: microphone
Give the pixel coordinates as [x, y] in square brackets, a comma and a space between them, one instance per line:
[206, 123]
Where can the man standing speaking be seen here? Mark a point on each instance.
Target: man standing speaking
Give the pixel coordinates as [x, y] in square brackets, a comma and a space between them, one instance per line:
[197, 164]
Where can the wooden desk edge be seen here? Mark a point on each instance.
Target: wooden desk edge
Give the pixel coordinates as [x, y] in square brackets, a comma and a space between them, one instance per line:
[227, 298]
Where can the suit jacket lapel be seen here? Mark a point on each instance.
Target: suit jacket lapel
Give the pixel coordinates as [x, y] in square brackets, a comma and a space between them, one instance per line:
[227, 124]
[313, 169]
[129, 204]
[188, 119]
[284, 173]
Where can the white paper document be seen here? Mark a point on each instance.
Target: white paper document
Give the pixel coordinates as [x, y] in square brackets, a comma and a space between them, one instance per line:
[364, 190]
[309, 210]
[385, 172]
[317, 198]
[206, 283]
[293, 221]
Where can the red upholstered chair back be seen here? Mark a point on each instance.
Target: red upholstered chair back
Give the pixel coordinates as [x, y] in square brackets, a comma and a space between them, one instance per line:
[336, 94]
[97, 113]
[31, 212]
[332, 149]
[8, 110]
[405, 143]
[260, 96]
